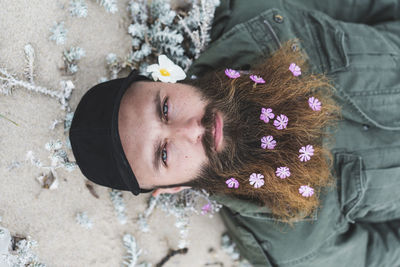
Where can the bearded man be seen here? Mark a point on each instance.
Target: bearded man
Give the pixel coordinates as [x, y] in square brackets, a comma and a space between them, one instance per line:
[306, 164]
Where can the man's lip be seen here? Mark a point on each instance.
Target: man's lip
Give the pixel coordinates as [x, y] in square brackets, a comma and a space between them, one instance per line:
[217, 131]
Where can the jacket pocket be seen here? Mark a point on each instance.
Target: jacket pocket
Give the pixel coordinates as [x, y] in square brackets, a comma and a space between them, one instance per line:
[380, 200]
[365, 63]
[348, 168]
[326, 43]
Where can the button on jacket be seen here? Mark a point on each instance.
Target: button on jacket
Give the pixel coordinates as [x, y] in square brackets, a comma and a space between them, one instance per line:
[357, 44]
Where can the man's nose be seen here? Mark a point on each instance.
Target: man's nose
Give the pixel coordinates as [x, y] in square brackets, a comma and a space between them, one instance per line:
[190, 130]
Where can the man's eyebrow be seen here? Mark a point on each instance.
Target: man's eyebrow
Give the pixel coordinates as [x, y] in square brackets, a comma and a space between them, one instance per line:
[157, 144]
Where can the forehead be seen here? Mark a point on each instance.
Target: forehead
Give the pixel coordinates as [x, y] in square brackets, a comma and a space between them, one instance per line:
[135, 115]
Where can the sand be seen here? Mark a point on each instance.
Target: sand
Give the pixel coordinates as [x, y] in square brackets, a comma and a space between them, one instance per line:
[48, 216]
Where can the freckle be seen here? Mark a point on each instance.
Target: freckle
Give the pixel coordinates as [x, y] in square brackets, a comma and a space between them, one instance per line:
[186, 157]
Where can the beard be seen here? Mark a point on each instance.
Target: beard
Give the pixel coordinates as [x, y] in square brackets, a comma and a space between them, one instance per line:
[240, 102]
[241, 143]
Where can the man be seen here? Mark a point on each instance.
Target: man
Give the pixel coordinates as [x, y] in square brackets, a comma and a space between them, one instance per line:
[177, 135]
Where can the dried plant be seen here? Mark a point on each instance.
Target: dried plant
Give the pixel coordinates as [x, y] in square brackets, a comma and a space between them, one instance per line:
[59, 33]
[83, 220]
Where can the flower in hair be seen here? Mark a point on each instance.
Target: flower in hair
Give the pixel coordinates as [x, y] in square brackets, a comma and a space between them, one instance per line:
[166, 71]
[295, 69]
[256, 80]
[282, 172]
[314, 103]
[281, 122]
[232, 73]
[232, 182]
[306, 152]
[268, 142]
[257, 179]
[306, 191]
[266, 114]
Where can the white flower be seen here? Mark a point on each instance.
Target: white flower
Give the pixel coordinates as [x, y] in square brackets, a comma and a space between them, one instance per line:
[166, 71]
[282, 172]
[59, 33]
[306, 152]
[306, 191]
[257, 179]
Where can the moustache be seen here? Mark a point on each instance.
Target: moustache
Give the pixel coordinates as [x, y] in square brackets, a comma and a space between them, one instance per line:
[208, 122]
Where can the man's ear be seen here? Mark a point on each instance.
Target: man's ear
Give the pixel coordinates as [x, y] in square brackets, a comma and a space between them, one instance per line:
[172, 190]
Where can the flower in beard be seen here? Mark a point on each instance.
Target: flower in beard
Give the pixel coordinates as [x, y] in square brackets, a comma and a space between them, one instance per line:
[257, 180]
[306, 152]
[266, 114]
[295, 69]
[257, 79]
[268, 142]
[314, 103]
[281, 122]
[283, 172]
[306, 191]
[232, 73]
[232, 182]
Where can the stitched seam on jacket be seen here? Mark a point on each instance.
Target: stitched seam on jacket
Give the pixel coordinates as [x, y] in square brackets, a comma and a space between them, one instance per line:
[317, 43]
[353, 204]
[261, 39]
[379, 92]
[273, 33]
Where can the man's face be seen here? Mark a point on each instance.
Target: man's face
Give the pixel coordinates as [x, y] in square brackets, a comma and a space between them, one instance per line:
[162, 132]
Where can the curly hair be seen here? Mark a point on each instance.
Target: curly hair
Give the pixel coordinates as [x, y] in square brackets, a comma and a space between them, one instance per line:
[284, 93]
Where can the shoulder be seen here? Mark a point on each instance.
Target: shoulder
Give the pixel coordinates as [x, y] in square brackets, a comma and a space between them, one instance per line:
[242, 36]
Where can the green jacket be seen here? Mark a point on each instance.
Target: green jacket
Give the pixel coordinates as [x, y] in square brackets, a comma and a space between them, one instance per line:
[357, 43]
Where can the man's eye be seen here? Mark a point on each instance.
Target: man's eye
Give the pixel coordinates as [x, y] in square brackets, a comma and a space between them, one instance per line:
[165, 109]
[164, 155]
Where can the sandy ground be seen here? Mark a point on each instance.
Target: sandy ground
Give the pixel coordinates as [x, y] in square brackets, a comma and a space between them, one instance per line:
[48, 216]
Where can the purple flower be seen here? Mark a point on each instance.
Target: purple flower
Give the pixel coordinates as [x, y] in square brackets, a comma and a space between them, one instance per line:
[295, 69]
[257, 79]
[206, 208]
[257, 179]
[232, 73]
[266, 114]
[232, 182]
[306, 153]
[268, 142]
[306, 191]
[281, 122]
[314, 103]
[282, 172]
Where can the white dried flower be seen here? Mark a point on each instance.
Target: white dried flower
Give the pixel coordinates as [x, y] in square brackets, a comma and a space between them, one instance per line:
[30, 58]
[83, 220]
[109, 5]
[78, 8]
[59, 33]
[111, 58]
[119, 205]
